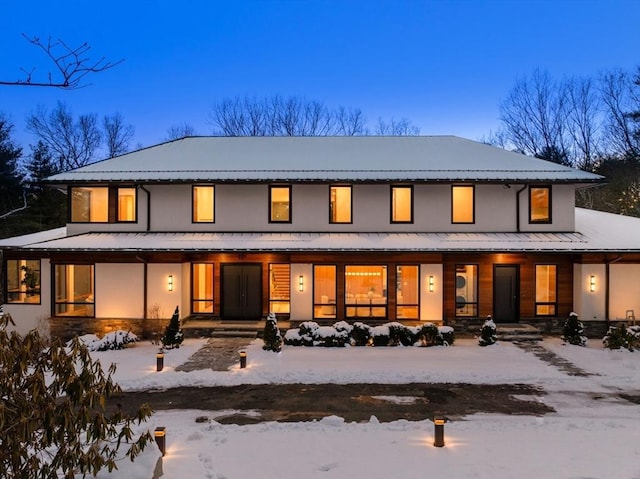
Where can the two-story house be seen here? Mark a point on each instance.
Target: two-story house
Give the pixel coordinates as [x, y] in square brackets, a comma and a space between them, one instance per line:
[438, 229]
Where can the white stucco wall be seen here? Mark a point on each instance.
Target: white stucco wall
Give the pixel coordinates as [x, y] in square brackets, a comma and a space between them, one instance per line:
[301, 301]
[431, 302]
[624, 290]
[119, 290]
[26, 316]
[590, 306]
[158, 293]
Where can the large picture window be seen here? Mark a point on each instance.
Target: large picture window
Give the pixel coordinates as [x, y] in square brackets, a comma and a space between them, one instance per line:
[546, 289]
[280, 204]
[203, 204]
[466, 290]
[202, 288]
[23, 281]
[462, 204]
[340, 204]
[90, 204]
[73, 290]
[401, 204]
[366, 291]
[324, 291]
[280, 288]
[407, 292]
[540, 204]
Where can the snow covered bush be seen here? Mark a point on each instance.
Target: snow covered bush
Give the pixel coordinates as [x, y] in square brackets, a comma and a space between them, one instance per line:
[380, 335]
[573, 330]
[428, 335]
[271, 336]
[303, 335]
[447, 334]
[173, 337]
[111, 341]
[401, 334]
[622, 337]
[360, 334]
[488, 333]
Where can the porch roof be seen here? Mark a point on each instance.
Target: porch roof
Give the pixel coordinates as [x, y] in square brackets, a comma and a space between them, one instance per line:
[596, 232]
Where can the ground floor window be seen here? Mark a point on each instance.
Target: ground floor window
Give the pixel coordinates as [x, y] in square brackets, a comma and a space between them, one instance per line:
[365, 291]
[202, 288]
[407, 292]
[280, 288]
[74, 290]
[23, 281]
[324, 291]
[466, 282]
[546, 289]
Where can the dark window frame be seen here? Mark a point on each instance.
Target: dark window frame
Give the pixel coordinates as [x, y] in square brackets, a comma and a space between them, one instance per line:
[391, 204]
[536, 303]
[117, 204]
[288, 220]
[350, 205]
[548, 219]
[313, 292]
[476, 303]
[37, 291]
[370, 306]
[55, 303]
[193, 301]
[419, 276]
[193, 203]
[473, 206]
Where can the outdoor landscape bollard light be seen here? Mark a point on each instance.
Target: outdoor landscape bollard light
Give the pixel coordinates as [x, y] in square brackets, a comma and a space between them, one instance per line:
[243, 359]
[438, 436]
[159, 361]
[160, 434]
[170, 283]
[592, 283]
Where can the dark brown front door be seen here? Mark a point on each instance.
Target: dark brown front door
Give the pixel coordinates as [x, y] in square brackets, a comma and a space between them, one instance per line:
[505, 294]
[241, 291]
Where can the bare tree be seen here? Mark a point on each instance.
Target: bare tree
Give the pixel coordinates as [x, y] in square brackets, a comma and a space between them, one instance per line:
[350, 122]
[117, 134]
[401, 127]
[71, 65]
[73, 142]
[584, 121]
[621, 101]
[534, 117]
[175, 132]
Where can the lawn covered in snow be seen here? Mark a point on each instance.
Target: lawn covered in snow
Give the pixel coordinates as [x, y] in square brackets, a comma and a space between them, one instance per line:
[593, 434]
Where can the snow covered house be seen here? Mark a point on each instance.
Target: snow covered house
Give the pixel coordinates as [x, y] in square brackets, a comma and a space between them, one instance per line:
[433, 228]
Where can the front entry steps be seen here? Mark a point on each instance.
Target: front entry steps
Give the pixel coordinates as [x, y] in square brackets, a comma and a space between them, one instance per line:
[215, 328]
[516, 332]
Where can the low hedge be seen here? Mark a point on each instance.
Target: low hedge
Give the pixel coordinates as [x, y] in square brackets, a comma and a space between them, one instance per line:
[342, 334]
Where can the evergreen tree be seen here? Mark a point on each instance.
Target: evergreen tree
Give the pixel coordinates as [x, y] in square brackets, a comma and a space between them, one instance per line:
[488, 333]
[10, 178]
[272, 337]
[173, 336]
[573, 331]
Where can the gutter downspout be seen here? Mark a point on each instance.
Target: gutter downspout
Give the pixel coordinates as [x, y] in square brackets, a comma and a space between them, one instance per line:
[524, 187]
[148, 207]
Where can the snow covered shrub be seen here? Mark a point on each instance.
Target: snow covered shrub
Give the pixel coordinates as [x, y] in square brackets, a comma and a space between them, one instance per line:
[271, 336]
[111, 341]
[380, 335]
[329, 336]
[488, 332]
[447, 334]
[622, 337]
[360, 334]
[428, 335]
[573, 330]
[401, 334]
[304, 335]
[173, 336]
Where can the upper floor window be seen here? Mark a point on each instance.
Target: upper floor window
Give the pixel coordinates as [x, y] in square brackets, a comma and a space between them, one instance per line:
[401, 204]
[540, 204]
[340, 204]
[89, 204]
[23, 280]
[103, 204]
[280, 204]
[203, 204]
[462, 204]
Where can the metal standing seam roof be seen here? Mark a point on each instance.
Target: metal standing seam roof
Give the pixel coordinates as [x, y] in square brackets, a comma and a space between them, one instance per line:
[322, 159]
[597, 232]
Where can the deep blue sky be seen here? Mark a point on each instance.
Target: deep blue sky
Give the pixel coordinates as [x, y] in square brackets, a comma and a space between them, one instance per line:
[445, 65]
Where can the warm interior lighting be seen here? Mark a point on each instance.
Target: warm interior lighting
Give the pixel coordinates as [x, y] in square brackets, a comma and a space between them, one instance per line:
[592, 283]
[301, 283]
[431, 283]
[160, 434]
[170, 284]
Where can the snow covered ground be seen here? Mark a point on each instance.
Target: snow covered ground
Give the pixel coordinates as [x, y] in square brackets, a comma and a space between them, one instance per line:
[593, 434]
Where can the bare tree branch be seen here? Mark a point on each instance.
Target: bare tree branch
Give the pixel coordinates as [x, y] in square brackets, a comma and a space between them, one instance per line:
[72, 65]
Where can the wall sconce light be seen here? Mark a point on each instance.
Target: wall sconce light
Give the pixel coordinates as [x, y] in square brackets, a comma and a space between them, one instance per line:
[160, 434]
[159, 361]
[243, 359]
[170, 283]
[438, 436]
[592, 283]
[431, 283]
[301, 283]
